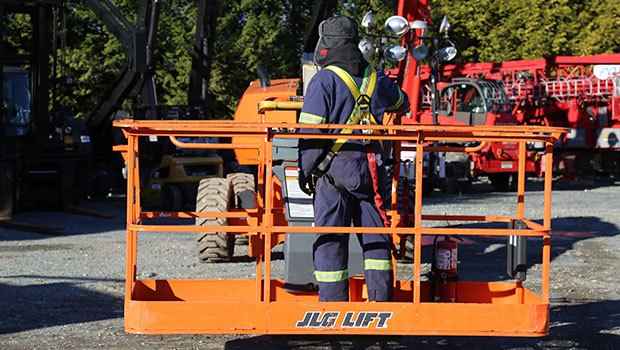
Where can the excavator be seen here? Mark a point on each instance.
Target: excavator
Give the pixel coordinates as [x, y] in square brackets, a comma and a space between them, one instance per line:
[43, 151]
[50, 160]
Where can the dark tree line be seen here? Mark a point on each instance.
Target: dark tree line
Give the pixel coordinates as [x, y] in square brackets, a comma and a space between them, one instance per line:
[271, 33]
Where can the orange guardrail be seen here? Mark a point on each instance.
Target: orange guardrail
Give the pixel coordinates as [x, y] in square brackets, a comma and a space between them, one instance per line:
[262, 305]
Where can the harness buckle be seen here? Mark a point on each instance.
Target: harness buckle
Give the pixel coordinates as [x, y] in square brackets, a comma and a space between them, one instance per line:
[365, 120]
[363, 101]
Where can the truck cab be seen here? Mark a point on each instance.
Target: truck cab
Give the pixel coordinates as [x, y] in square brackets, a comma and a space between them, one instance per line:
[467, 101]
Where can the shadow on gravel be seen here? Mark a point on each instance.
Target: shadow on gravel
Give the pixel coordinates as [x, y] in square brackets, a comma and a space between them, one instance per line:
[483, 188]
[483, 258]
[583, 326]
[44, 305]
[584, 183]
[98, 216]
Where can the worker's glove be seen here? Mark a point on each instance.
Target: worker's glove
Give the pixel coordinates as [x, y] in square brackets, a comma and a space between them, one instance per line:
[306, 185]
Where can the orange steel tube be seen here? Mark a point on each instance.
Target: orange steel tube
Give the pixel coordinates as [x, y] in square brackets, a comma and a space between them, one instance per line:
[264, 306]
[394, 202]
[339, 230]
[457, 149]
[261, 204]
[546, 253]
[268, 217]
[208, 127]
[404, 137]
[548, 184]
[417, 242]
[521, 182]
[197, 145]
[396, 218]
[131, 251]
[260, 200]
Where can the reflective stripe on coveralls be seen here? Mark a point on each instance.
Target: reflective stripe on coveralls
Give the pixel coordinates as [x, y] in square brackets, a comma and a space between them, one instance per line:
[378, 264]
[331, 276]
[309, 118]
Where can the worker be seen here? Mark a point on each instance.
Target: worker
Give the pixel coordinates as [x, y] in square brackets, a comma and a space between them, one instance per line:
[339, 173]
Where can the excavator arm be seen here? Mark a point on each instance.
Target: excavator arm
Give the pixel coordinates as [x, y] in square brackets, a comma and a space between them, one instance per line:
[137, 79]
[202, 53]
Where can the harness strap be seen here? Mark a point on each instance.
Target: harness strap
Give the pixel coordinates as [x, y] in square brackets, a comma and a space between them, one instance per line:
[372, 163]
[362, 99]
[368, 86]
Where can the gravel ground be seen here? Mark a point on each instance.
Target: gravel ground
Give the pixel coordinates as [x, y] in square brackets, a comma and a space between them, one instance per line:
[64, 290]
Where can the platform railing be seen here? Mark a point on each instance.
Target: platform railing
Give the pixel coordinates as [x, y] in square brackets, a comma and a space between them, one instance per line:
[264, 306]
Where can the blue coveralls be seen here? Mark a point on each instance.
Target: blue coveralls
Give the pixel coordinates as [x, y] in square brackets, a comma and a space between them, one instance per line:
[329, 100]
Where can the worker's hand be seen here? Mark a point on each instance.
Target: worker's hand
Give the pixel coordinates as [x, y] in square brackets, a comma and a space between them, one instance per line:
[306, 186]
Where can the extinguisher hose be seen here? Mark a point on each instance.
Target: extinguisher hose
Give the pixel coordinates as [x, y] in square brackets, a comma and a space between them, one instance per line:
[434, 257]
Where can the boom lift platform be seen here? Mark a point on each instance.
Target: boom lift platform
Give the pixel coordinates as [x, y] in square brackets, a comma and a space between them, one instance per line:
[263, 305]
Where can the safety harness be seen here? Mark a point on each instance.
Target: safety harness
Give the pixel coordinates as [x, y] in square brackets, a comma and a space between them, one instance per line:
[359, 115]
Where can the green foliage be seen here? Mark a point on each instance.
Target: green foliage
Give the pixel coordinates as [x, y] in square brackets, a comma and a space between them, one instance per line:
[252, 33]
[177, 26]
[270, 33]
[598, 28]
[93, 57]
[528, 29]
[18, 31]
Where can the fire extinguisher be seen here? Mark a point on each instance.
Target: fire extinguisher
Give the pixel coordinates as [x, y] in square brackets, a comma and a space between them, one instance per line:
[445, 256]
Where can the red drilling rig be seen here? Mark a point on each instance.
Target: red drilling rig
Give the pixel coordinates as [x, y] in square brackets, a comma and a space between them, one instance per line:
[461, 101]
[581, 93]
[578, 92]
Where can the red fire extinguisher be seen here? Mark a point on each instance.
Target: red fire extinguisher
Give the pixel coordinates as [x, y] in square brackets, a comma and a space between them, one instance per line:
[445, 256]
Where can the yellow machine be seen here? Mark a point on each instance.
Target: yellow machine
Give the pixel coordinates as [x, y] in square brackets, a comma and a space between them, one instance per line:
[174, 183]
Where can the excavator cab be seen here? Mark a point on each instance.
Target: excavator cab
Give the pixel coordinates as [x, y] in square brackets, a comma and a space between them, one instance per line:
[16, 101]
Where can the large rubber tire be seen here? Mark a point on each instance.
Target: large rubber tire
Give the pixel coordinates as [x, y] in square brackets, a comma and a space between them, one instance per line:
[400, 190]
[244, 191]
[214, 195]
[172, 198]
[408, 248]
[457, 168]
[242, 185]
[504, 182]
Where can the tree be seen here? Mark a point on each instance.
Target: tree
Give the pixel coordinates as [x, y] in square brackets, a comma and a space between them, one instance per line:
[252, 33]
[496, 31]
[271, 32]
